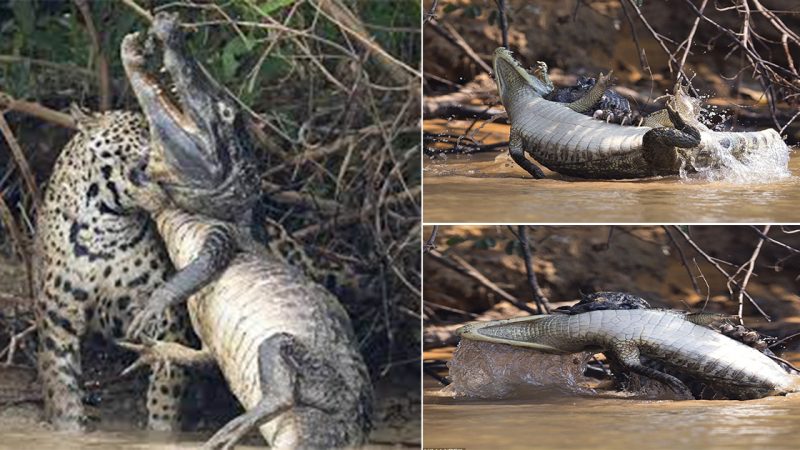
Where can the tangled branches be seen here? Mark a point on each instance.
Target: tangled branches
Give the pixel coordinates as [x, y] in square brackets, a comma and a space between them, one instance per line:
[333, 97]
[759, 34]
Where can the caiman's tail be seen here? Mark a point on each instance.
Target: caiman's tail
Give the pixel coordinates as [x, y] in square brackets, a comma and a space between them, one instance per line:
[519, 332]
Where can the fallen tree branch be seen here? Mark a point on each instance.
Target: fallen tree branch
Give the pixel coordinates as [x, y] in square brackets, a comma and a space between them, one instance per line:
[9, 103]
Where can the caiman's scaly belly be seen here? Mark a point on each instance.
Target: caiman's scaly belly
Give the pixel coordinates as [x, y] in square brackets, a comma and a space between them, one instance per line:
[573, 144]
[255, 298]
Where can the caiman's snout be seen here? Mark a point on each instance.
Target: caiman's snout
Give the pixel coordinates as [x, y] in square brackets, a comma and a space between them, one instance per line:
[201, 153]
[519, 332]
[511, 77]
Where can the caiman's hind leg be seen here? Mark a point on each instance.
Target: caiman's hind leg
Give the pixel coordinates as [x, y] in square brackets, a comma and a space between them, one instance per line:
[627, 354]
[659, 144]
[290, 376]
[517, 151]
[683, 135]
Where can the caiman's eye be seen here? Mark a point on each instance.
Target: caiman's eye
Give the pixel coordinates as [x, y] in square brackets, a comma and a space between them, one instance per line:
[226, 113]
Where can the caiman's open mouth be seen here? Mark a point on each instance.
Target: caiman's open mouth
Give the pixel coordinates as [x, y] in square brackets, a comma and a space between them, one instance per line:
[508, 70]
[200, 153]
[506, 331]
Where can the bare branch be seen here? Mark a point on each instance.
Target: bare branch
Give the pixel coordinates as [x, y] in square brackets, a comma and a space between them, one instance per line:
[542, 303]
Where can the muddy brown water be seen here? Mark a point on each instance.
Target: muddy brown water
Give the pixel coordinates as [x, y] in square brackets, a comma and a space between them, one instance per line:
[570, 422]
[491, 188]
[20, 428]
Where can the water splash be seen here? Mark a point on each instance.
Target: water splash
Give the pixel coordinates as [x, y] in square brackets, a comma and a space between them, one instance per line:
[487, 370]
[716, 163]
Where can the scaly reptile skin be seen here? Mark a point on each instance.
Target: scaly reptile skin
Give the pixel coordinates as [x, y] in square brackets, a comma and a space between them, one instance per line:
[729, 366]
[570, 143]
[284, 344]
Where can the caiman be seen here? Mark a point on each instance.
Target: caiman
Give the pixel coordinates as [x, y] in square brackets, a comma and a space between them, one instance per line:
[284, 344]
[98, 255]
[675, 339]
[562, 139]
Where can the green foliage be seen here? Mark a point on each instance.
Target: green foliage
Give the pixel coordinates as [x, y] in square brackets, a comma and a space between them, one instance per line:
[46, 52]
[271, 6]
[455, 240]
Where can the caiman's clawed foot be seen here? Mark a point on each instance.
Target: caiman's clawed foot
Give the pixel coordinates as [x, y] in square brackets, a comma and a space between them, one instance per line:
[145, 322]
[163, 354]
[152, 353]
[683, 135]
[660, 143]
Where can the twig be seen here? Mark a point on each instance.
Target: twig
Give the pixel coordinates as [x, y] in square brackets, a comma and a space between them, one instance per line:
[776, 242]
[786, 339]
[430, 244]
[14, 59]
[431, 14]
[660, 41]
[789, 122]
[9, 103]
[355, 217]
[542, 303]
[501, 10]
[690, 38]
[639, 50]
[22, 163]
[17, 239]
[13, 342]
[750, 266]
[452, 36]
[705, 281]
[102, 62]
[719, 268]
[464, 268]
[781, 360]
[683, 259]
[280, 194]
[339, 14]
[138, 9]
